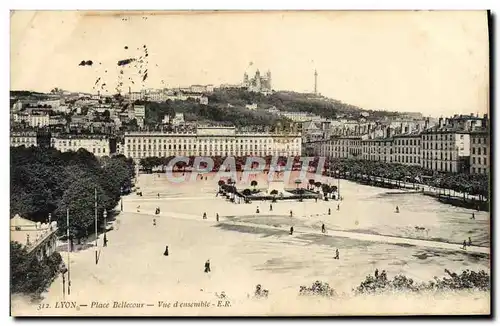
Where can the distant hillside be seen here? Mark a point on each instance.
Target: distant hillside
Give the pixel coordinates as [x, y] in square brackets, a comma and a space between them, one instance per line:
[27, 94]
[218, 113]
[292, 102]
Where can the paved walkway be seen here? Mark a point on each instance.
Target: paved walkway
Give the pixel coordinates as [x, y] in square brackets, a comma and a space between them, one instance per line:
[338, 233]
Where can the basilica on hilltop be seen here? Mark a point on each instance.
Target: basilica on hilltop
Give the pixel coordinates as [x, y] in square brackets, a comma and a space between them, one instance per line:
[259, 83]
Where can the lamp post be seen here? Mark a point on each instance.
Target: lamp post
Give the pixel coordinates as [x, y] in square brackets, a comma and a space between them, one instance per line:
[96, 235]
[121, 199]
[105, 214]
[69, 249]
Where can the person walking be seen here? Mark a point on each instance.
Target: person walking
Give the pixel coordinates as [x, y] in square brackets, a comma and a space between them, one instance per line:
[338, 207]
[329, 211]
[291, 213]
[217, 217]
[154, 222]
[270, 207]
[397, 209]
[473, 216]
[257, 211]
[158, 195]
[166, 251]
[205, 215]
[323, 229]
[291, 230]
[470, 242]
[207, 266]
[337, 255]
[376, 273]
[464, 246]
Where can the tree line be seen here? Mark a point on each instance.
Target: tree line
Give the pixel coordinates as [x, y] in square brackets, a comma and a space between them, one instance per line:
[46, 181]
[466, 183]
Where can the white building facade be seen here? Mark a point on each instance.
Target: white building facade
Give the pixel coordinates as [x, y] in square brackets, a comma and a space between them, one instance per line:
[24, 138]
[210, 141]
[96, 144]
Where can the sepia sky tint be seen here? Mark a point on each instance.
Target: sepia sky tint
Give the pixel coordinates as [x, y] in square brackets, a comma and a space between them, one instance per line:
[430, 62]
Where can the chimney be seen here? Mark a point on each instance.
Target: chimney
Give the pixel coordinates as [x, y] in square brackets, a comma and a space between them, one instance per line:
[484, 121]
[440, 122]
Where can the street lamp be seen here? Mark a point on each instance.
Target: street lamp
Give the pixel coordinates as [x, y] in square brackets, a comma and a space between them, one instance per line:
[121, 199]
[105, 214]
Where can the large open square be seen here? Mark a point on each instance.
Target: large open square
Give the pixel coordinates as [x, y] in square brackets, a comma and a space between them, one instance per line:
[246, 248]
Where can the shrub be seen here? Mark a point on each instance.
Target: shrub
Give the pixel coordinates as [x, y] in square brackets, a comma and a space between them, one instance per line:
[467, 280]
[28, 275]
[247, 192]
[318, 289]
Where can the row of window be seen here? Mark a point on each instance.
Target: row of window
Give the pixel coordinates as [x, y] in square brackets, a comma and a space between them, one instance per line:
[24, 140]
[478, 160]
[79, 143]
[407, 150]
[376, 158]
[479, 170]
[446, 167]
[193, 146]
[346, 143]
[407, 142]
[189, 153]
[191, 140]
[439, 136]
[478, 151]
[440, 146]
[481, 140]
[94, 150]
[407, 159]
[430, 156]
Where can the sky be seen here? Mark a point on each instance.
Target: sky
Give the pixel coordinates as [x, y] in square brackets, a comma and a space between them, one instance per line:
[416, 61]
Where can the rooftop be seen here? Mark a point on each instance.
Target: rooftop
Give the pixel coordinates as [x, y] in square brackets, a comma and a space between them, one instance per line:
[29, 233]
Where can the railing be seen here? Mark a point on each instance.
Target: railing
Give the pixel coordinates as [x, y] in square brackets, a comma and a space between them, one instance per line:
[32, 245]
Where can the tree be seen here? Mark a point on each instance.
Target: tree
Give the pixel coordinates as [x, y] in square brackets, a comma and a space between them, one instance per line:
[28, 275]
[311, 182]
[298, 182]
[106, 116]
[79, 199]
[220, 184]
[247, 192]
[317, 184]
[326, 189]
[254, 184]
